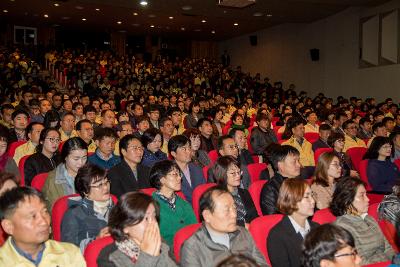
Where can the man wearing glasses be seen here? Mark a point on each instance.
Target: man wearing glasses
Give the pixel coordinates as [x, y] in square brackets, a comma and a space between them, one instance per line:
[350, 139]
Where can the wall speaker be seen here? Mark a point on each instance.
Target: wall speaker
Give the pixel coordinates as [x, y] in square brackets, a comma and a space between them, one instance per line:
[314, 53]
[253, 40]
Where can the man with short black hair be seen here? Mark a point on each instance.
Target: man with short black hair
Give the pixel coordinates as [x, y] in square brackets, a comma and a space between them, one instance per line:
[20, 119]
[25, 218]
[6, 115]
[378, 129]
[219, 236]
[350, 138]
[262, 135]
[104, 156]
[208, 140]
[33, 133]
[322, 142]
[84, 129]
[364, 132]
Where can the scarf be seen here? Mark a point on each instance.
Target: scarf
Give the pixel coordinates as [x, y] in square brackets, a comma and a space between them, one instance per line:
[170, 201]
[102, 207]
[129, 248]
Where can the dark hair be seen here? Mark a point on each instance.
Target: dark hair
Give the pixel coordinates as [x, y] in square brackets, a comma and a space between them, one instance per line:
[163, 120]
[325, 127]
[377, 125]
[376, 144]
[176, 142]
[88, 174]
[220, 143]
[76, 104]
[52, 119]
[9, 201]
[153, 108]
[333, 137]
[5, 176]
[344, 194]
[173, 109]
[206, 201]
[220, 169]
[124, 142]
[142, 118]
[29, 129]
[238, 260]
[291, 123]
[347, 123]
[323, 242]
[149, 135]
[101, 133]
[6, 106]
[191, 132]
[262, 116]
[19, 111]
[89, 108]
[280, 153]
[159, 170]
[43, 135]
[291, 192]
[233, 132]
[71, 144]
[78, 126]
[201, 121]
[130, 210]
[192, 105]
[364, 120]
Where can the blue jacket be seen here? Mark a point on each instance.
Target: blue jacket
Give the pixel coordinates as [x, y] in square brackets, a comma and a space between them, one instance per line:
[196, 178]
[382, 175]
[150, 158]
[105, 164]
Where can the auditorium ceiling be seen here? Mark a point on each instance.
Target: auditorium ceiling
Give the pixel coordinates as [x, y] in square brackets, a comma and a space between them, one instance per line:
[202, 19]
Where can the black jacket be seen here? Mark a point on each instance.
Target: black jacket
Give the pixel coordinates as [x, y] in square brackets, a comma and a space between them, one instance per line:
[123, 180]
[260, 140]
[39, 163]
[284, 244]
[269, 194]
[251, 211]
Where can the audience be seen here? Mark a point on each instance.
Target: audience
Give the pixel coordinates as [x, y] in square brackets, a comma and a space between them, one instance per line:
[219, 236]
[296, 202]
[350, 205]
[87, 216]
[262, 135]
[324, 133]
[133, 224]
[26, 220]
[336, 141]
[152, 142]
[241, 141]
[175, 213]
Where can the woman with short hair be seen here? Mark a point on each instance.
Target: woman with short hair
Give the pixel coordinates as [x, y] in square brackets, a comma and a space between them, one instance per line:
[199, 157]
[152, 140]
[350, 204]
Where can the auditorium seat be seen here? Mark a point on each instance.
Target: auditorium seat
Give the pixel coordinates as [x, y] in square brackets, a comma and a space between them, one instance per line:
[379, 264]
[181, 236]
[21, 166]
[13, 146]
[311, 137]
[319, 152]
[397, 162]
[323, 216]
[363, 165]
[39, 181]
[375, 198]
[94, 248]
[255, 170]
[356, 155]
[205, 172]
[255, 192]
[213, 155]
[196, 195]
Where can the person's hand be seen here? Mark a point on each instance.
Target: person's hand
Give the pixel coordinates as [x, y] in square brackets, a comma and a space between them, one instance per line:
[103, 232]
[354, 173]
[151, 242]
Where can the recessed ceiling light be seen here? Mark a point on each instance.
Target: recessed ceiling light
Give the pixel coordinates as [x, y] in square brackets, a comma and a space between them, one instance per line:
[186, 8]
[258, 14]
[182, 28]
[5, 11]
[79, 7]
[56, 4]
[45, 15]
[171, 17]
[213, 32]
[65, 18]
[135, 14]
[203, 21]
[151, 26]
[167, 27]
[269, 15]
[119, 22]
[84, 19]
[143, 3]
[236, 24]
[152, 16]
[97, 9]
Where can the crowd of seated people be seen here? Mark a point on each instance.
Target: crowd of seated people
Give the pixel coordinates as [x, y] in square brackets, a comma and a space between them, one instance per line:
[171, 129]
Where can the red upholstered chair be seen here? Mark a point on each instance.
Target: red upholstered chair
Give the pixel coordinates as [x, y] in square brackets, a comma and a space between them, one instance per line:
[21, 166]
[149, 191]
[3, 236]
[378, 264]
[196, 195]
[250, 148]
[213, 155]
[373, 211]
[58, 211]
[255, 192]
[60, 146]
[13, 146]
[321, 151]
[397, 162]
[324, 216]
[94, 248]
[279, 136]
[205, 171]
[390, 232]
[226, 128]
[275, 129]
[39, 180]
[256, 159]
[181, 236]
[356, 154]
[363, 165]
[260, 228]
[375, 198]
[255, 170]
[311, 137]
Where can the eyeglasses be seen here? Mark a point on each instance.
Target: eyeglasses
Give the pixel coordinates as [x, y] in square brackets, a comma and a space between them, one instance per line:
[101, 185]
[353, 254]
[53, 140]
[336, 165]
[237, 173]
[340, 140]
[136, 148]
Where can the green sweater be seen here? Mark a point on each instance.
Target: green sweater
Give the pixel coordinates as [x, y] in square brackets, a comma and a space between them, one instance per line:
[173, 220]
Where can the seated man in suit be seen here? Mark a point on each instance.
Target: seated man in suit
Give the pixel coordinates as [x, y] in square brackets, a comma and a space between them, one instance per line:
[25, 218]
[192, 175]
[129, 175]
[219, 236]
[322, 142]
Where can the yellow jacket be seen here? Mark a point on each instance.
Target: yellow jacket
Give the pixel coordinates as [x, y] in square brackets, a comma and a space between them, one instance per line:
[55, 254]
[350, 142]
[306, 152]
[23, 150]
[64, 137]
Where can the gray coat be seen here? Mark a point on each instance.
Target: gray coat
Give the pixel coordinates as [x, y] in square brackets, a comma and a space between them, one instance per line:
[199, 250]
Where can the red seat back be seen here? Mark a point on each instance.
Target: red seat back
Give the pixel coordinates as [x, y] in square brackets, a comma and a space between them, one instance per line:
[397, 162]
[389, 231]
[356, 154]
[213, 155]
[311, 137]
[375, 198]
[181, 236]
[226, 128]
[3, 236]
[321, 151]
[94, 248]
[324, 216]
[39, 181]
[149, 191]
[255, 170]
[378, 264]
[256, 159]
[21, 166]
[60, 146]
[205, 172]
[196, 195]
[373, 211]
[13, 146]
[255, 192]
[260, 228]
[363, 165]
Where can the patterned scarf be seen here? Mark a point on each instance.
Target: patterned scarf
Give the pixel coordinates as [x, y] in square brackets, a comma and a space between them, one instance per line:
[129, 248]
[241, 210]
[170, 201]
